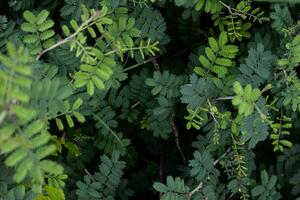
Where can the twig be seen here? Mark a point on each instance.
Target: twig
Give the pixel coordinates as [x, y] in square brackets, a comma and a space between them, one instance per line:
[139, 64]
[71, 37]
[200, 185]
[176, 133]
[261, 114]
[237, 12]
[89, 174]
[265, 89]
[222, 156]
[135, 105]
[224, 98]
[113, 133]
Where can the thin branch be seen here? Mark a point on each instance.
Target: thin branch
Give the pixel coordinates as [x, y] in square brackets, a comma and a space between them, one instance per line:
[135, 105]
[224, 98]
[261, 114]
[176, 133]
[89, 174]
[222, 156]
[200, 185]
[265, 89]
[127, 49]
[237, 12]
[113, 133]
[139, 64]
[71, 37]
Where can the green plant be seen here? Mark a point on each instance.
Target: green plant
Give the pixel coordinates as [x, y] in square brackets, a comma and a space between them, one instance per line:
[218, 58]
[149, 99]
[245, 98]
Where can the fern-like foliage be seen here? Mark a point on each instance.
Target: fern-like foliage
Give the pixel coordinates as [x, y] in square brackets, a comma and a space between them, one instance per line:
[21, 4]
[159, 118]
[64, 58]
[174, 189]
[280, 129]
[257, 69]
[16, 193]
[267, 189]
[40, 33]
[97, 64]
[217, 60]
[105, 120]
[254, 130]
[139, 90]
[209, 6]
[6, 31]
[109, 143]
[245, 98]
[235, 21]
[202, 167]
[50, 95]
[281, 17]
[293, 49]
[73, 8]
[151, 23]
[27, 149]
[104, 183]
[165, 84]
[110, 65]
[25, 142]
[197, 91]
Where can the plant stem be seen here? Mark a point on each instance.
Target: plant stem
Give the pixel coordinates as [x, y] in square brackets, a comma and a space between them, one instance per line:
[139, 64]
[200, 185]
[71, 37]
[224, 98]
[176, 133]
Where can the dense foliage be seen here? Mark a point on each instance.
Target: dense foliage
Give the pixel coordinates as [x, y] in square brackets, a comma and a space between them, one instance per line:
[159, 99]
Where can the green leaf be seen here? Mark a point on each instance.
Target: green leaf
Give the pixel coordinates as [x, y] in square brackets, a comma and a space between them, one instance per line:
[47, 34]
[31, 38]
[77, 104]
[27, 27]
[33, 128]
[79, 117]
[15, 157]
[257, 190]
[46, 25]
[238, 89]
[90, 88]
[160, 187]
[69, 120]
[99, 84]
[286, 143]
[213, 44]
[55, 193]
[42, 16]
[29, 16]
[59, 124]
[73, 148]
